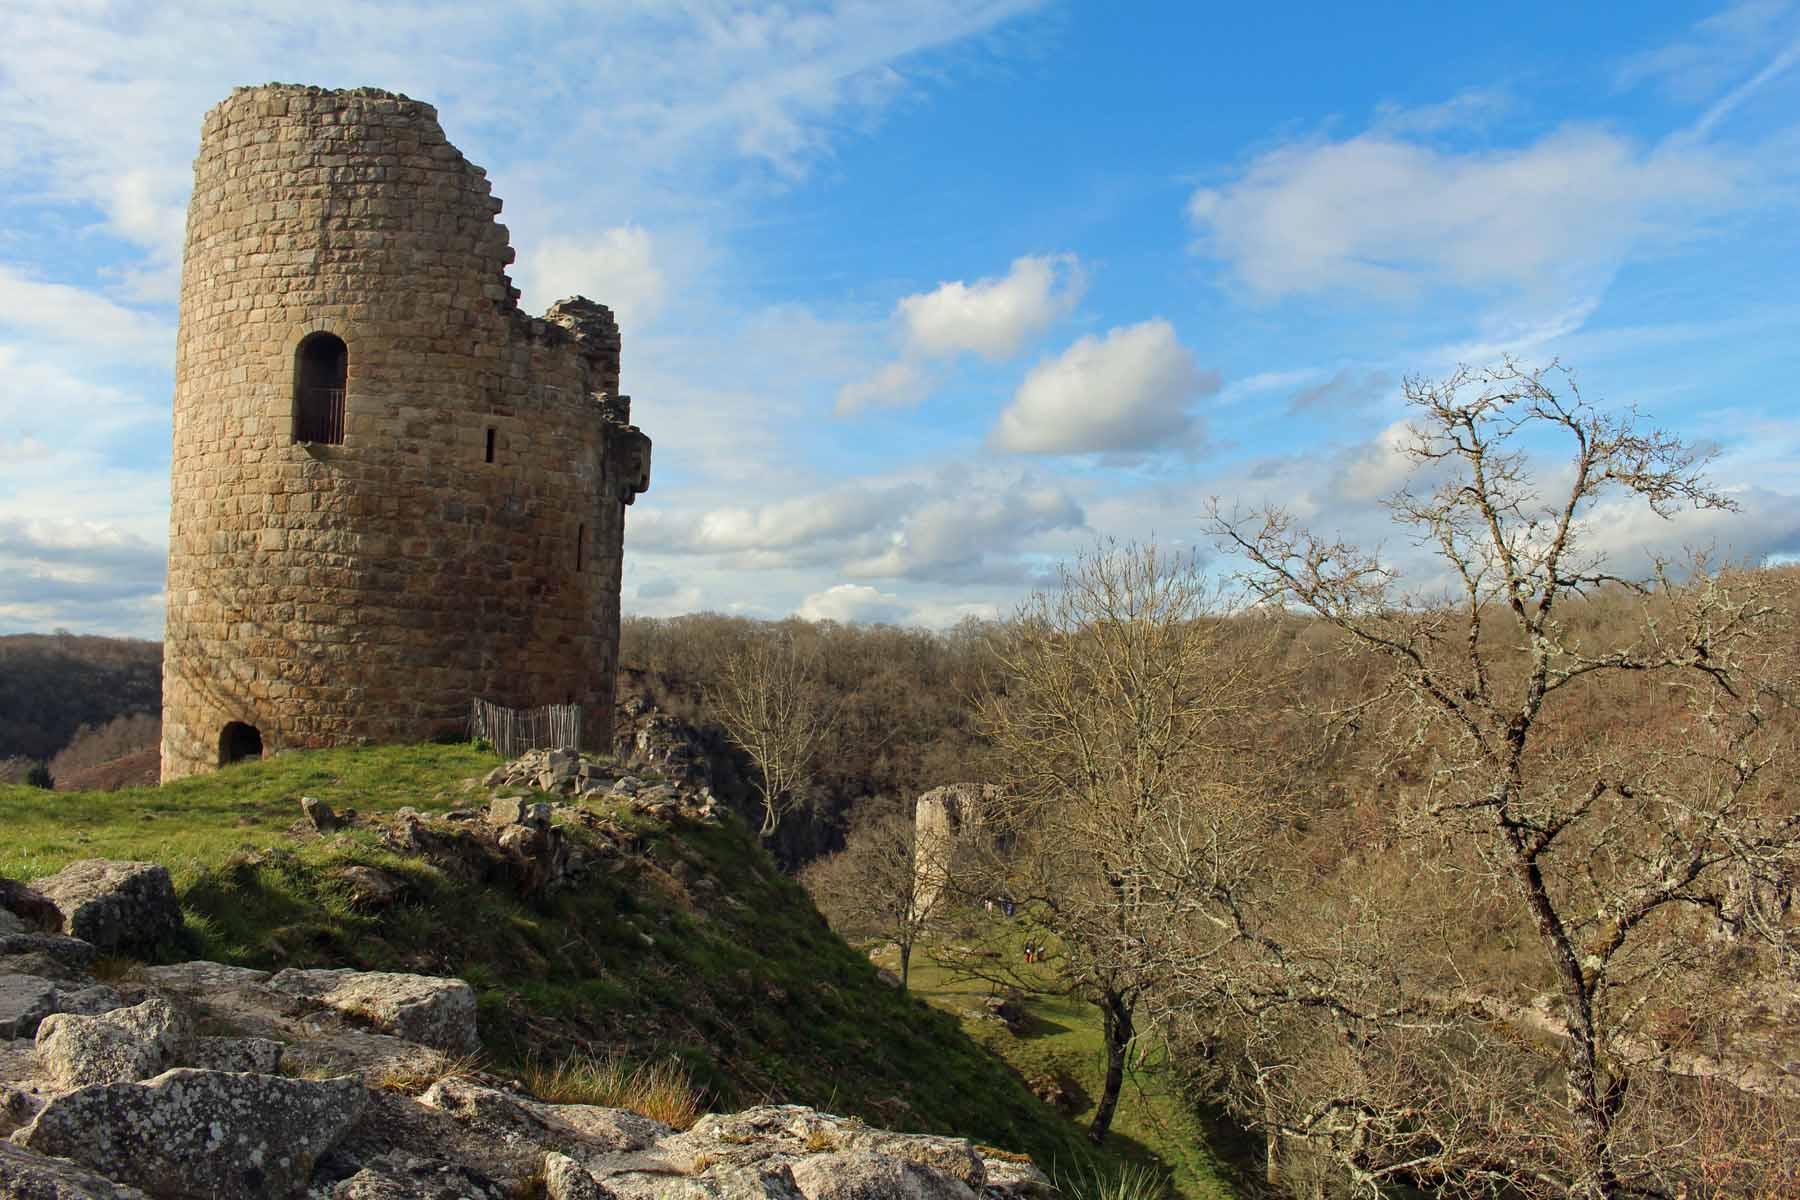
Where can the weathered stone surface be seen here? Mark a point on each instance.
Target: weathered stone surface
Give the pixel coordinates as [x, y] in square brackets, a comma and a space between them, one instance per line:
[259, 1056]
[67, 952]
[856, 1175]
[115, 1047]
[25, 1000]
[30, 908]
[88, 1001]
[426, 1009]
[11, 924]
[369, 1056]
[401, 1176]
[27, 1175]
[584, 1132]
[200, 1134]
[17, 1107]
[198, 976]
[566, 1179]
[124, 906]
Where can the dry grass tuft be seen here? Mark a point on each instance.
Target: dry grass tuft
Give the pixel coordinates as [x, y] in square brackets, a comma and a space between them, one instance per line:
[662, 1090]
[412, 1076]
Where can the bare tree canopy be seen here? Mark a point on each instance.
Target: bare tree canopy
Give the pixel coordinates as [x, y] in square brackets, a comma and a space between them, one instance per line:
[769, 700]
[869, 888]
[1499, 1026]
[1120, 713]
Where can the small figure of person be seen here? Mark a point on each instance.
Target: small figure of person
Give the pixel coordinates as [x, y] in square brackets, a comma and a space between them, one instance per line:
[1006, 906]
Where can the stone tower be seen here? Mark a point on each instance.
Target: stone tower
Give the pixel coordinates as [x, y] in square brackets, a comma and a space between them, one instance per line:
[392, 490]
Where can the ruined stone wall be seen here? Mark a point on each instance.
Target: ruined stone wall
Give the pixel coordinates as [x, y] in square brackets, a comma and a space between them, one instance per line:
[330, 594]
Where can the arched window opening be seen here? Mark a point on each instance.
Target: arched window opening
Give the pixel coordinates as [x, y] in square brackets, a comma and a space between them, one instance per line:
[237, 742]
[580, 546]
[321, 365]
[490, 444]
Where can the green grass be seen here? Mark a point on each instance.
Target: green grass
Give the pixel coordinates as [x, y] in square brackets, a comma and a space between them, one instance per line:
[1159, 1133]
[743, 984]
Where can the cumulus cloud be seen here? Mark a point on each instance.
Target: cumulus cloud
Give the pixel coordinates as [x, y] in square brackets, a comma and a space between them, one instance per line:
[993, 318]
[853, 603]
[1131, 390]
[617, 267]
[1381, 215]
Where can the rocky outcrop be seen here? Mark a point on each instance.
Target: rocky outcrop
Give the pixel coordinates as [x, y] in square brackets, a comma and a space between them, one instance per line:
[133, 1102]
[128, 907]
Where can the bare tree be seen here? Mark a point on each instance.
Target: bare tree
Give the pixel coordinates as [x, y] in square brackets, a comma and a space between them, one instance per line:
[869, 888]
[1393, 1030]
[1120, 715]
[769, 700]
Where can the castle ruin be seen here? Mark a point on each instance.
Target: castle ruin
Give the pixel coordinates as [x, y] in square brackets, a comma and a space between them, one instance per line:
[392, 490]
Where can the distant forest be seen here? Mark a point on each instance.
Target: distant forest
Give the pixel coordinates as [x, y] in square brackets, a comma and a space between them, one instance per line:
[54, 684]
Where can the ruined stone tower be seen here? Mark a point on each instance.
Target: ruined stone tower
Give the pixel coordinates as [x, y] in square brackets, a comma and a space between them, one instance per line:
[392, 491]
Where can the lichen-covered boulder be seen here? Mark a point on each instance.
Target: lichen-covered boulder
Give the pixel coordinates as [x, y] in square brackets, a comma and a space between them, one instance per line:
[25, 1175]
[258, 1056]
[25, 1000]
[121, 906]
[426, 1009]
[63, 955]
[114, 1047]
[199, 1135]
[859, 1175]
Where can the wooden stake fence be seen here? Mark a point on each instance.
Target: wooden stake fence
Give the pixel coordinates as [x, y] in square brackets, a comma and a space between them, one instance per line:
[516, 730]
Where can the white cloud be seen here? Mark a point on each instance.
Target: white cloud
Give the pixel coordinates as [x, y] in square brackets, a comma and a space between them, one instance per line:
[993, 318]
[853, 602]
[1715, 51]
[1128, 391]
[1380, 215]
[616, 267]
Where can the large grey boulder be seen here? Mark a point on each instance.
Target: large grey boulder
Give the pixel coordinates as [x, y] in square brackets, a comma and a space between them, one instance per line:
[25, 1000]
[426, 1009]
[25, 1175]
[65, 955]
[858, 1175]
[122, 906]
[115, 1047]
[200, 1135]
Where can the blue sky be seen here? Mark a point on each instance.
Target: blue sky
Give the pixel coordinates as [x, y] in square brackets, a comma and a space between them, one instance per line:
[920, 298]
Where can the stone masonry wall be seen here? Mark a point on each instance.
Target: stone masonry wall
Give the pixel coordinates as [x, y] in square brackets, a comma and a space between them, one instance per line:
[336, 594]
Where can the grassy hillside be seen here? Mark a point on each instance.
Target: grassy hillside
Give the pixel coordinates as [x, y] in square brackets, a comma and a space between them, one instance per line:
[686, 941]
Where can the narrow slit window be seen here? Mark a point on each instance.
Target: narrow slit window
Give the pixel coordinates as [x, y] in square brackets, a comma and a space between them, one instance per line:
[580, 546]
[321, 370]
[490, 444]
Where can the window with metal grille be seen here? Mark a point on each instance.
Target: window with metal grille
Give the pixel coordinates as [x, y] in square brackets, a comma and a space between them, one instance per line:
[321, 366]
